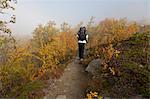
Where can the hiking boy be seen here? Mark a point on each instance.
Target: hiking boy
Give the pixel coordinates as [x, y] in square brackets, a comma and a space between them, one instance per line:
[82, 40]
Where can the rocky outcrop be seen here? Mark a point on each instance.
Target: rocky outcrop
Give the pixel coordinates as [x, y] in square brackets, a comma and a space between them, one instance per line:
[94, 66]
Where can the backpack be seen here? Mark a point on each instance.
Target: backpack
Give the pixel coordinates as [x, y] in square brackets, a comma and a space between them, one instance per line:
[82, 36]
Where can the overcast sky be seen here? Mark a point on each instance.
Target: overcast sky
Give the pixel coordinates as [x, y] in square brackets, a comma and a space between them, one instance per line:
[30, 13]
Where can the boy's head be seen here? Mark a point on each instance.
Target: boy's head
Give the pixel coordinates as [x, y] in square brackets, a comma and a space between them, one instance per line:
[82, 29]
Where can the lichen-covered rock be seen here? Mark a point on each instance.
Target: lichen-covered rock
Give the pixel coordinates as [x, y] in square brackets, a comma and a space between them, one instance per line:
[94, 66]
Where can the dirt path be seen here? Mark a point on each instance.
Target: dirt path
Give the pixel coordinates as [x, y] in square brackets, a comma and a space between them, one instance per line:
[72, 83]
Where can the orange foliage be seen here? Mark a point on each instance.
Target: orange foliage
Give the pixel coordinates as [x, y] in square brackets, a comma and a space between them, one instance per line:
[112, 30]
[69, 39]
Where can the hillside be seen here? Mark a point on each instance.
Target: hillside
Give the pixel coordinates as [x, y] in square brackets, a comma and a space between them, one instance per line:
[27, 66]
[126, 73]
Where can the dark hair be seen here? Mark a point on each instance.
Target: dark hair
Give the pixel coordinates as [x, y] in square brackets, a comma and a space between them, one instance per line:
[84, 27]
[81, 29]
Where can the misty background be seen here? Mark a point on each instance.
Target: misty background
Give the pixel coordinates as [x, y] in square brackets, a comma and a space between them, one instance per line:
[30, 13]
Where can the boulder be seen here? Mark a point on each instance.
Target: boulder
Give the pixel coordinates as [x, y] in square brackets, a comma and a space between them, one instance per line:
[94, 66]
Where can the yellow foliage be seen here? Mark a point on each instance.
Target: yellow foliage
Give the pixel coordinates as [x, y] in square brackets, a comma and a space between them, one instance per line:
[92, 95]
[100, 97]
[59, 48]
[112, 70]
[117, 53]
[89, 96]
[112, 30]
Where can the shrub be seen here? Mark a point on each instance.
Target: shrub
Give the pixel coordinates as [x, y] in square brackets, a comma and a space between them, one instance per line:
[30, 64]
[126, 67]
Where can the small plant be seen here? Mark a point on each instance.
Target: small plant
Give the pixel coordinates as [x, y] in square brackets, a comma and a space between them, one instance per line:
[94, 95]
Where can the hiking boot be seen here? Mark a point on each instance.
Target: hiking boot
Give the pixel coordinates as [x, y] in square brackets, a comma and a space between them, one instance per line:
[81, 59]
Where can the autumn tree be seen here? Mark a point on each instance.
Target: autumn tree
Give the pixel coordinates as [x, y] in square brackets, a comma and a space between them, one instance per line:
[68, 37]
[7, 42]
[118, 29]
[65, 27]
[44, 34]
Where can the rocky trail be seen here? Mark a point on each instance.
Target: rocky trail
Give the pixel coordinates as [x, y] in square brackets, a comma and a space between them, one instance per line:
[71, 84]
